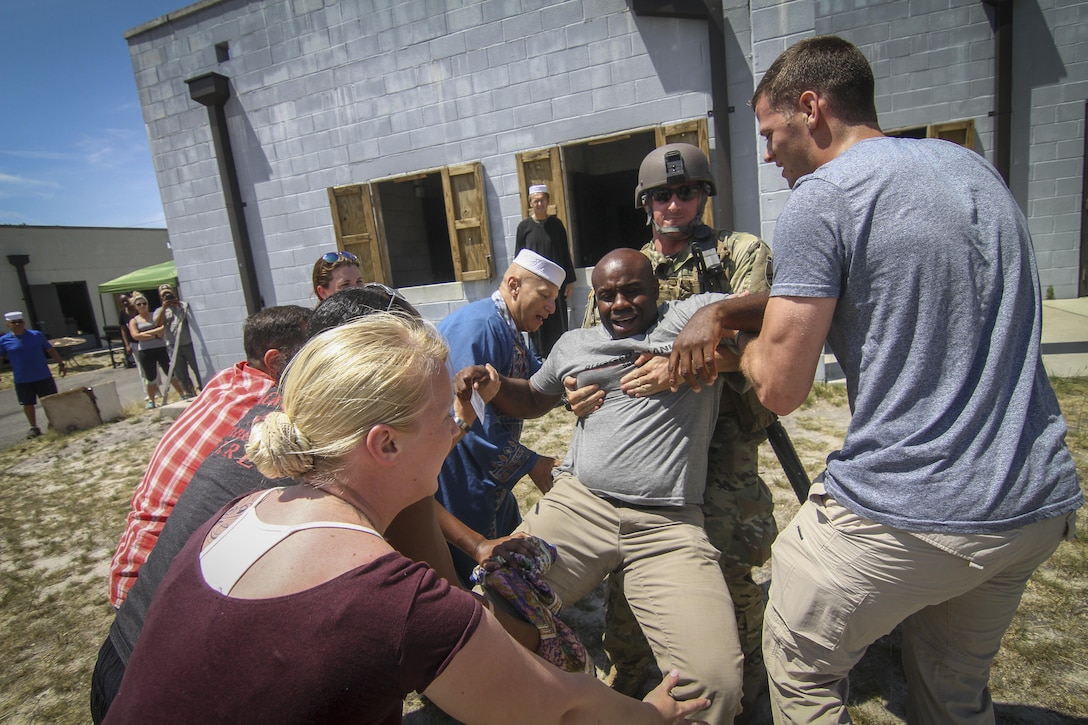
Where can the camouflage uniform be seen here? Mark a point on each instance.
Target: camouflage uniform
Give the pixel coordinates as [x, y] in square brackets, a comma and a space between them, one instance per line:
[737, 504]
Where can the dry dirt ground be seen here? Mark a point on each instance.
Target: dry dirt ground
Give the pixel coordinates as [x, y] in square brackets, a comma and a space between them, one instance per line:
[877, 684]
[62, 508]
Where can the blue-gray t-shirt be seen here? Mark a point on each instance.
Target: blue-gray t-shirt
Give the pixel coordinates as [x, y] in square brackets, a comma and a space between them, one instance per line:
[955, 427]
[648, 451]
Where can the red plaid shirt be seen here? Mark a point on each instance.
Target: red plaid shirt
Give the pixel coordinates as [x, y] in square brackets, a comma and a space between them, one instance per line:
[191, 439]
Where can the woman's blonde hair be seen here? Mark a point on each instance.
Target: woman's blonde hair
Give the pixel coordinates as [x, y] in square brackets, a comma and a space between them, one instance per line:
[341, 384]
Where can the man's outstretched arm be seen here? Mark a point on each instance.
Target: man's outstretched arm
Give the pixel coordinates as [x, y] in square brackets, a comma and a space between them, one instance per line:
[515, 397]
[693, 353]
[781, 362]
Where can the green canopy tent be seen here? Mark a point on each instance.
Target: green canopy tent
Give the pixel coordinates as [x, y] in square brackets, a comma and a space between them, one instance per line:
[141, 279]
[148, 278]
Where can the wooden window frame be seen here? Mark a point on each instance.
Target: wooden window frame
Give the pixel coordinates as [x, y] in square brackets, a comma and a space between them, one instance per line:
[359, 226]
[946, 131]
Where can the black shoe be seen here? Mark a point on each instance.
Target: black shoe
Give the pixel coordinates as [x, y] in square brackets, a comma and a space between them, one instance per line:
[630, 679]
[35, 431]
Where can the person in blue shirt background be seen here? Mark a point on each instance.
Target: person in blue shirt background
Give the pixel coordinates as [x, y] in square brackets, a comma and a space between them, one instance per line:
[26, 350]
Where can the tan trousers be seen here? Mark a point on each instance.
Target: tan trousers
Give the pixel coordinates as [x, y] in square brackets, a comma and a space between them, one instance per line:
[840, 581]
[671, 580]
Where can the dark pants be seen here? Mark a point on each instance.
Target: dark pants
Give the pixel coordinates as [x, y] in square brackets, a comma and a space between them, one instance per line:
[28, 393]
[150, 359]
[105, 680]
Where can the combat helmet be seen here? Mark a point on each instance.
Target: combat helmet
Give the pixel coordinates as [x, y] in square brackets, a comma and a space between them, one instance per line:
[674, 163]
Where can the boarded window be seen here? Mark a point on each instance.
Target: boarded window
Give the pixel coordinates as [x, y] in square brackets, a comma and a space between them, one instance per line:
[355, 226]
[423, 228]
[960, 132]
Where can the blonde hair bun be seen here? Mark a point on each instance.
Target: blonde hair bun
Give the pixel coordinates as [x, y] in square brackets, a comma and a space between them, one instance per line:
[279, 449]
[343, 382]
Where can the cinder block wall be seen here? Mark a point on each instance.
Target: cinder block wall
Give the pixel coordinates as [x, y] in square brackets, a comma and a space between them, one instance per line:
[934, 62]
[327, 93]
[77, 254]
[1051, 72]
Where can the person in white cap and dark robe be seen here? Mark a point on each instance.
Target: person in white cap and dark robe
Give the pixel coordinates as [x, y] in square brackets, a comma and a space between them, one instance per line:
[26, 349]
[479, 473]
[547, 236]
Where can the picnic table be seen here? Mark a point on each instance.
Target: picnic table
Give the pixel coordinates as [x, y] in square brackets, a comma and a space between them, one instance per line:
[66, 346]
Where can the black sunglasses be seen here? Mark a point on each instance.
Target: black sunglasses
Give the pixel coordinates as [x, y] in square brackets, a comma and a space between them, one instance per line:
[687, 192]
[334, 257]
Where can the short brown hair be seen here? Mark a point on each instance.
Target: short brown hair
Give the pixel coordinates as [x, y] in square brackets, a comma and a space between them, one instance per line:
[275, 328]
[829, 65]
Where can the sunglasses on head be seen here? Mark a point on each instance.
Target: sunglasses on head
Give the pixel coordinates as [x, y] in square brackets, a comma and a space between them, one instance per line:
[334, 257]
[393, 294]
[687, 192]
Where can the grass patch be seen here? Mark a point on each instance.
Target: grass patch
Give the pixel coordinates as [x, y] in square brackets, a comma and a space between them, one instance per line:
[825, 393]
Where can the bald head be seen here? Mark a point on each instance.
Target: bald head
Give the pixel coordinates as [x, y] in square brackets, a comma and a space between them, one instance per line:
[631, 261]
[626, 292]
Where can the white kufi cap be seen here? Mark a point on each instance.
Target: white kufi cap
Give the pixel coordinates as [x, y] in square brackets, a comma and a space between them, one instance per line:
[538, 189]
[541, 266]
[13, 316]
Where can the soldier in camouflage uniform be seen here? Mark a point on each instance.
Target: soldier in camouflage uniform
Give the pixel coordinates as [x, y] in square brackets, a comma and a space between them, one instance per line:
[737, 503]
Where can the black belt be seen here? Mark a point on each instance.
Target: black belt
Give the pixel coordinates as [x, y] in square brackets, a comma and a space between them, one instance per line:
[628, 505]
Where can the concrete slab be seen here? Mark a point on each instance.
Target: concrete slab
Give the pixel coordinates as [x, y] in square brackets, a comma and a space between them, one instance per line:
[1065, 337]
[71, 410]
[127, 384]
[172, 410]
[1064, 342]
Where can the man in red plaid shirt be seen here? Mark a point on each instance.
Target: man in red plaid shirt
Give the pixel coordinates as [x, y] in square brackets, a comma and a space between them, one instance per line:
[270, 337]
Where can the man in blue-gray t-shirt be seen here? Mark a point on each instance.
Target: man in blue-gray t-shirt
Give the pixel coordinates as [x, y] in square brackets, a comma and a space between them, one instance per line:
[912, 259]
[628, 496]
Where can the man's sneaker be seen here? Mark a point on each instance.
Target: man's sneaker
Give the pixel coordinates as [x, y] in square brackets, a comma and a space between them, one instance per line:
[35, 431]
[629, 680]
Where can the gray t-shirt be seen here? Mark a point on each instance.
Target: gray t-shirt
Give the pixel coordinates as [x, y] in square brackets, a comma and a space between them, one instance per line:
[644, 451]
[173, 318]
[955, 427]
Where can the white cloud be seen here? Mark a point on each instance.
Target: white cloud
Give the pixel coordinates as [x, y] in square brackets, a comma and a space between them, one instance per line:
[22, 180]
[11, 216]
[40, 155]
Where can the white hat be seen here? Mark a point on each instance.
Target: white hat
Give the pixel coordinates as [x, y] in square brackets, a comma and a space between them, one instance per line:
[538, 189]
[541, 266]
[13, 316]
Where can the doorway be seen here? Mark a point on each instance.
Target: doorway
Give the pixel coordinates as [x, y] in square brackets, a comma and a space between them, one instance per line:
[413, 212]
[602, 174]
[65, 311]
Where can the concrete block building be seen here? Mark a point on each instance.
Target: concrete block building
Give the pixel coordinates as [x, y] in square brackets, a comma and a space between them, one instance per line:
[408, 131]
[52, 274]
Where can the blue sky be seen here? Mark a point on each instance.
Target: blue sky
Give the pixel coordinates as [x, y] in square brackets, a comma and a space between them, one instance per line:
[73, 147]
